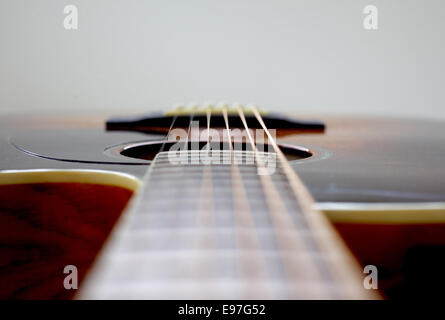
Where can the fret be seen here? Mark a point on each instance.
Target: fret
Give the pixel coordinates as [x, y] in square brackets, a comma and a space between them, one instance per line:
[161, 265]
[141, 239]
[166, 178]
[166, 215]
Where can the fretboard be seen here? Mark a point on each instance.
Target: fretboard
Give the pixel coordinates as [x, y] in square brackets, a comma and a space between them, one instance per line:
[207, 231]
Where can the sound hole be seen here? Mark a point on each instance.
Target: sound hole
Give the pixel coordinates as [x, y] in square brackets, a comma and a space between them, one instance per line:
[149, 150]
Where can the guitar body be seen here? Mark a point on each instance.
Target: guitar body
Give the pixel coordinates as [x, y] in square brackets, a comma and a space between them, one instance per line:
[381, 182]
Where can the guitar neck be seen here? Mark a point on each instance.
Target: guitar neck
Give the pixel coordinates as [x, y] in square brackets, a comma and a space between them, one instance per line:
[213, 231]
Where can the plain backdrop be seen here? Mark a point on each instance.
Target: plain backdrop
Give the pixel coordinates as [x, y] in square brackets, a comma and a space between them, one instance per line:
[131, 56]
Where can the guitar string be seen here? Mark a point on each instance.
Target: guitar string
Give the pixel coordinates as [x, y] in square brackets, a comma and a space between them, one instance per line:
[290, 245]
[168, 134]
[347, 270]
[180, 176]
[176, 204]
[202, 266]
[189, 133]
[253, 265]
[205, 214]
[129, 220]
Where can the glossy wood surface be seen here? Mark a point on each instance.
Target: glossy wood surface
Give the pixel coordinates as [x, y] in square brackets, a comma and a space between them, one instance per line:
[365, 161]
[357, 160]
[47, 226]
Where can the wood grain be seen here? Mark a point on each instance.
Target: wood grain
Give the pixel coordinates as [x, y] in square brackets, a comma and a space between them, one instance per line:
[46, 226]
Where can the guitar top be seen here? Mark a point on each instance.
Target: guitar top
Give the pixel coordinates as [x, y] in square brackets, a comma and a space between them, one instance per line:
[221, 202]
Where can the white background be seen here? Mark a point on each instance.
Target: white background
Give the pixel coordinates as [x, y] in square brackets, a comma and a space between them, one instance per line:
[131, 56]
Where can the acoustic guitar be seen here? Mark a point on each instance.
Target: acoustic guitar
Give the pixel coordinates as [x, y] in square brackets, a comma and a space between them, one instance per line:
[221, 202]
